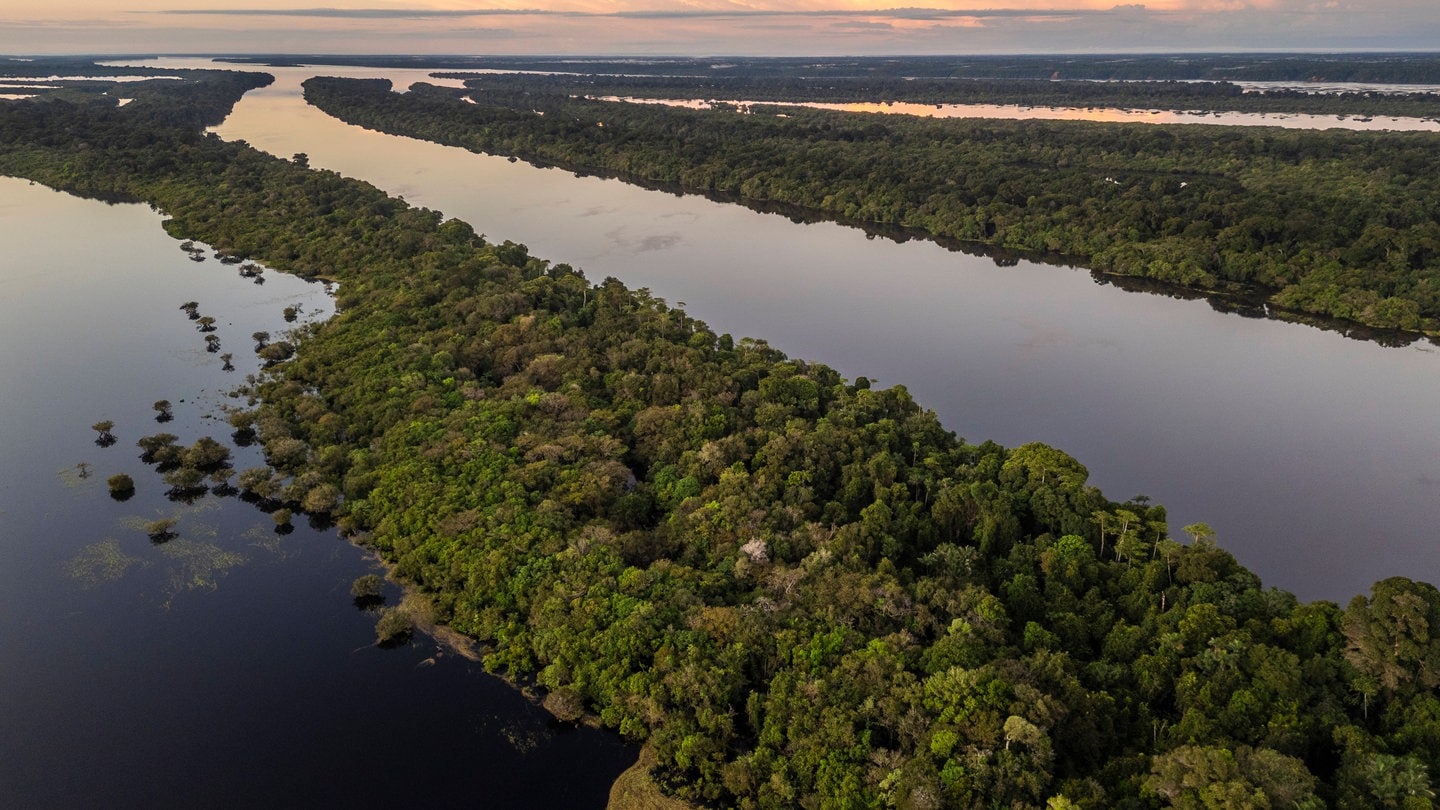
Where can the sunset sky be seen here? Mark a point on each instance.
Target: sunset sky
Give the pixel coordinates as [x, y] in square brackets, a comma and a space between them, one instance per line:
[712, 27]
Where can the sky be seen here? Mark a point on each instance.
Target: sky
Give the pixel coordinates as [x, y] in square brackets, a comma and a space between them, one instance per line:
[712, 27]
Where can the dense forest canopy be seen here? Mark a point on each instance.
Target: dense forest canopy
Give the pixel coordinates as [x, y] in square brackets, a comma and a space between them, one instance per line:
[1161, 95]
[800, 590]
[1339, 224]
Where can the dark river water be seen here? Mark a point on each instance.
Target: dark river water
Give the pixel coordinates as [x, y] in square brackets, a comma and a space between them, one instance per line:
[1112, 115]
[230, 667]
[1315, 457]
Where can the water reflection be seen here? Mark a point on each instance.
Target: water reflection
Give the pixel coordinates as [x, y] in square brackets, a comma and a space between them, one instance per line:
[1306, 451]
[1102, 114]
[222, 663]
[1336, 88]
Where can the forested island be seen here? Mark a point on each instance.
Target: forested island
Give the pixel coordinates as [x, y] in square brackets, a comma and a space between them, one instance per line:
[1388, 67]
[1193, 83]
[1148, 95]
[1336, 224]
[798, 590]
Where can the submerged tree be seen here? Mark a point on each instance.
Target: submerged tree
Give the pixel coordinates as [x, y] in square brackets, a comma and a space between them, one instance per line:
[257, 481]
[103, 428]
[220, 478]
[161, 530]
[206, 454]
[159, 448]
[163, 413]
[367, 591]
[393, 628]
[244, 424]
[121, 486]
[185, 482]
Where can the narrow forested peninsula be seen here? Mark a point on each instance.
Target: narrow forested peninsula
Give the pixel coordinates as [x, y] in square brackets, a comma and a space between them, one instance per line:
[1157, 95]
[801, 591]
[1388, 67]
[1338, 224]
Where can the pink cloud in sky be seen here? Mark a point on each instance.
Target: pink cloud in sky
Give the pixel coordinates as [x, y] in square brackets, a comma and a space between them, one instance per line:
[712, 26]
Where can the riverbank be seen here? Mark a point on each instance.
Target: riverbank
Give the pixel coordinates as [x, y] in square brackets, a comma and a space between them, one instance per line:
[784, 580]
[1199, 207]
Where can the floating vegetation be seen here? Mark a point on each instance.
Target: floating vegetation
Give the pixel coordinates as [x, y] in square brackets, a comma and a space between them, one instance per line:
[185, 512]
[159, 530]
[101, 562]
[74, 476]
[196, 565]
[523, 740]
[268, 540]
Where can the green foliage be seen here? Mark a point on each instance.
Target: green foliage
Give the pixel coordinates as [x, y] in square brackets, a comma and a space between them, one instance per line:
[1198, 777]
[159, 530]
[743, 85]
[393, 627]
[799, 591]
[366, 587]
[1392, 639]
[1331, 223]
[120, 484]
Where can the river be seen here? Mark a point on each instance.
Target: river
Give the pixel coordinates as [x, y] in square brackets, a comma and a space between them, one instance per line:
[229, 666]
[1111, 115]
[1315, 457]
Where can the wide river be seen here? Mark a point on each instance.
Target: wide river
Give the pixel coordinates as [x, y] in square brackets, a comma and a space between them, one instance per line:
[228, 666]
[1110, 115]
[1315, 457]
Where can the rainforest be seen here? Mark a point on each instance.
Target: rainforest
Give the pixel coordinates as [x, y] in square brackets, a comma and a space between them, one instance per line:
[1325, 222]
[797, 589]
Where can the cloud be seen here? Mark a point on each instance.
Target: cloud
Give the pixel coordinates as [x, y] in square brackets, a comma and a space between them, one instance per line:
[352, 13]
[919, 14]
[735, 27]
[862, 25]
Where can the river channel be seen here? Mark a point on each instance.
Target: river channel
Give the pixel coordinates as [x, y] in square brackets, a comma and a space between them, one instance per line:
[1109, 115]
[227, 666]
[1315, 457]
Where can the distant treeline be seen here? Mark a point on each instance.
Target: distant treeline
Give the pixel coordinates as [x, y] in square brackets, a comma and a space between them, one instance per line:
[1340, 224]
[1156, 95]
[802, 591]
[1388, 68]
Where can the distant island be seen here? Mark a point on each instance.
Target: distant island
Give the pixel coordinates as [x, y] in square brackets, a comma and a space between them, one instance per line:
[1329, 223]
[1387, 68]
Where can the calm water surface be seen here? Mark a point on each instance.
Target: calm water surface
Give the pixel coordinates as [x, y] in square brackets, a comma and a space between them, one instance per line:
[1112, 115]
[229, 666]
[1315, 457]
